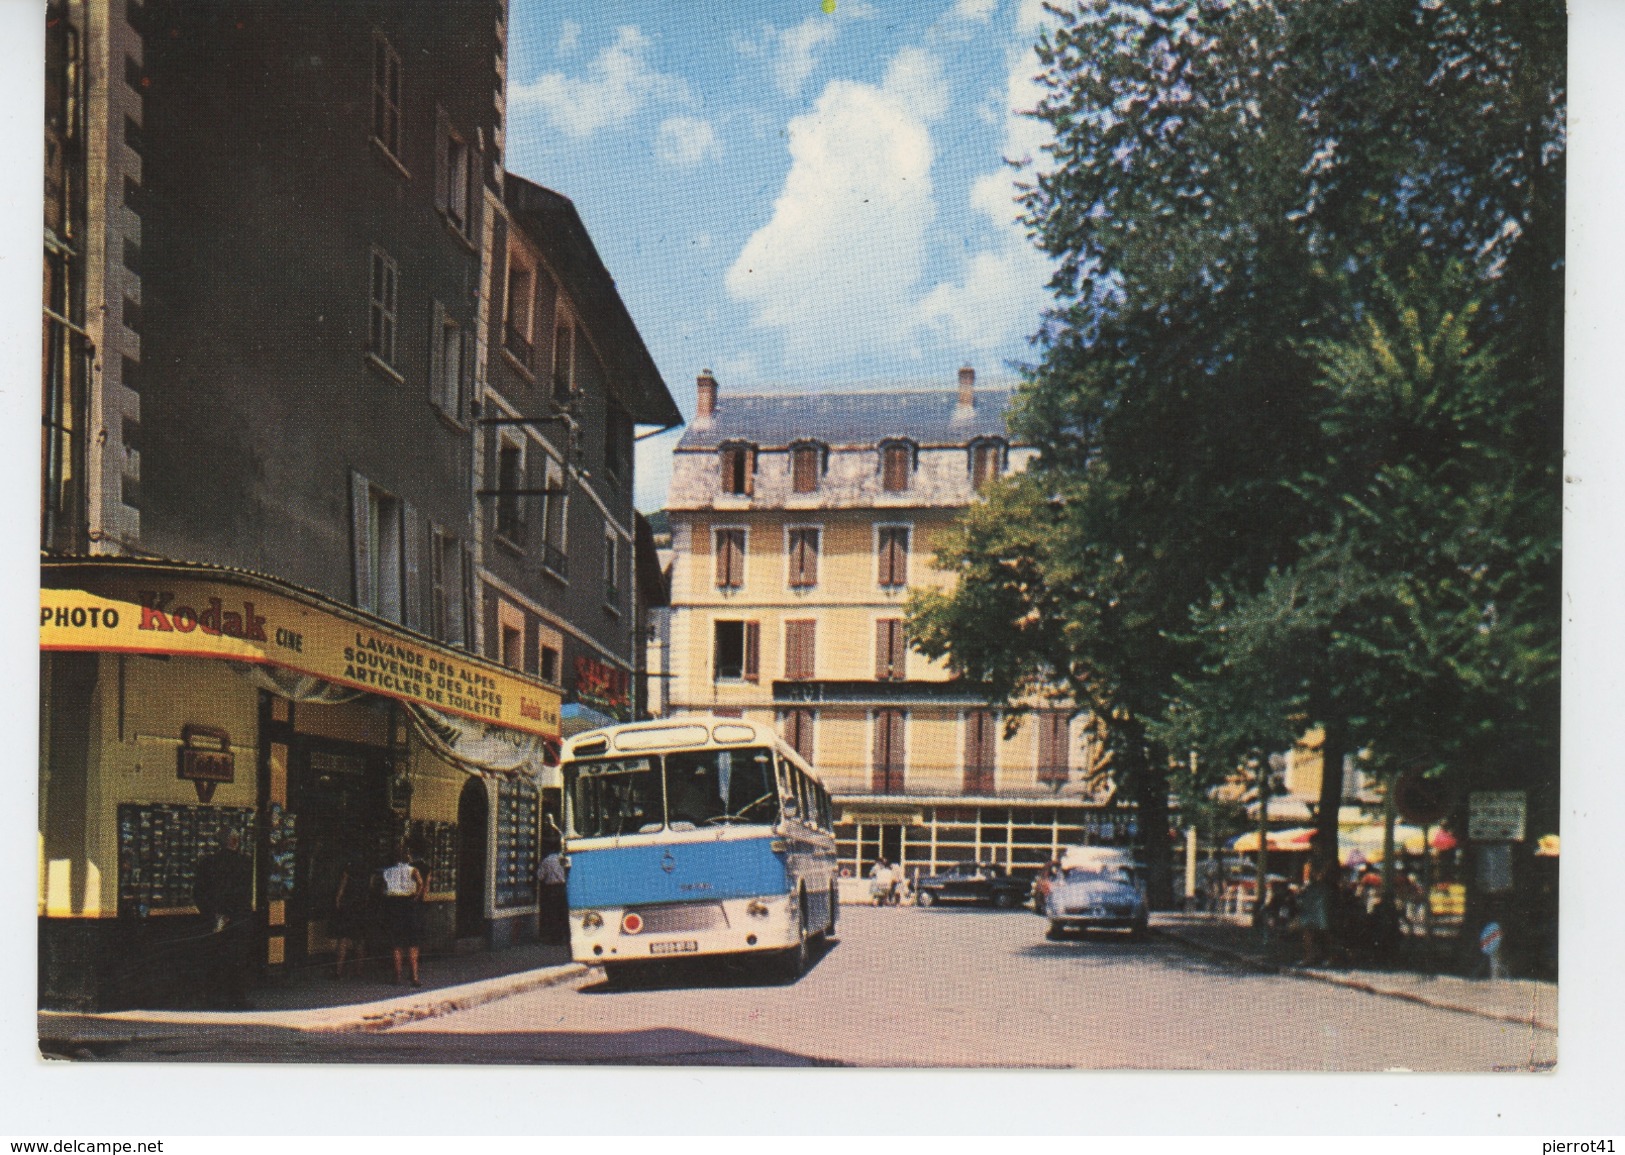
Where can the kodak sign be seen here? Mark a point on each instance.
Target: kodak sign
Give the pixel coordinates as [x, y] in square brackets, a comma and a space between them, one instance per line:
[145, 610]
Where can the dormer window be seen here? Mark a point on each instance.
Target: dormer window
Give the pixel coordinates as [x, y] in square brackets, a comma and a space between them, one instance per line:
[738, 469]
[897, 460]
[808, 462]
[987, 461]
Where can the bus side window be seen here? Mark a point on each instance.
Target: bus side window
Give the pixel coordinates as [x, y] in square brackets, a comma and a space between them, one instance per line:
[787, 785]
[805, 793]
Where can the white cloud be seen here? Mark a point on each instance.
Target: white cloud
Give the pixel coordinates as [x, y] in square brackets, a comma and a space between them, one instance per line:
[684, 141]
[796, 52]
[618, 83]
[836, 270]
[1000, 294]
[569, 38]
[915, 77]
[978, 10]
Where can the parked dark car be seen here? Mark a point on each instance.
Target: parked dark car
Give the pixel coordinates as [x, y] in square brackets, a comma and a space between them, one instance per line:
[968, 882]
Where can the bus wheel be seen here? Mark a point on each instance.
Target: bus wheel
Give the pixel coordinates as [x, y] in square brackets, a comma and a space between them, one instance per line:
[924, 898]
[793, 962]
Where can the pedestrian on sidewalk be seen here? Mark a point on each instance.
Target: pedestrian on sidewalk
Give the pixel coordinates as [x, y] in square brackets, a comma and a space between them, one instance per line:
[553, 915]
[404, 888]
[224, 894]
[350, 917]
[1315, 907]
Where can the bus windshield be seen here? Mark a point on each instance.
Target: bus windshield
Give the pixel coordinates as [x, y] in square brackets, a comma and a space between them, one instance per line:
[615, 796]
[721, 787]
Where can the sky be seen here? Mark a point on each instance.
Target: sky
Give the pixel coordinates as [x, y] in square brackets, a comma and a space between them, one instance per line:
[798, 195]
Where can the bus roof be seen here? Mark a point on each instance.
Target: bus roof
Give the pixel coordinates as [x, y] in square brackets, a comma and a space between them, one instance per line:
[686, 731]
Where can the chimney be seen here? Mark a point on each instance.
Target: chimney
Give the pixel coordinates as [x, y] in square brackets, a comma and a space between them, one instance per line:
[967, 388]
[706, 386]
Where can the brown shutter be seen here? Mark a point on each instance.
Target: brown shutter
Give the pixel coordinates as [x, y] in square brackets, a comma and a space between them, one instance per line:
[896, 755]
[805, 467]
[979, 751]
[882, 748]
[889, 650]
[894, 556]
[720, 538]
[798, 643]
[750, 471]
[888, 757]
[753, 651]
[803, 557]
[1052, 746]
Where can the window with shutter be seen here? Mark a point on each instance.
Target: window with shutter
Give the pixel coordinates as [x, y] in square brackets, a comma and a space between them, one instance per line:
[804, 468]
[564, 360]
[897, 463]
[893, 551]
[753, 651]
[799, 658]
[888, 764]
[1053, 745]
[798, 732]
[730, 549]
[386, 96]
[987, 460]
[889, 650]
[803, 545]
[980, 739]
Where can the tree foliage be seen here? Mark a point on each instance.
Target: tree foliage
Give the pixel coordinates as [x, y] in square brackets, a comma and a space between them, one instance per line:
[1298, 402]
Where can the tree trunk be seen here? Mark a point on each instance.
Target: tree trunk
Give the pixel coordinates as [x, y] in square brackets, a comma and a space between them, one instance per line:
[1333, 747]
[1147, 770]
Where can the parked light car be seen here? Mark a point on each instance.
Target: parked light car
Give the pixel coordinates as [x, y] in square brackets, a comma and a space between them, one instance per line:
[968, 882]
[1096, 892]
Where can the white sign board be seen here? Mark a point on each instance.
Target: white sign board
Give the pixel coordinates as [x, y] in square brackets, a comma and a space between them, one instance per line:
[1495, 815]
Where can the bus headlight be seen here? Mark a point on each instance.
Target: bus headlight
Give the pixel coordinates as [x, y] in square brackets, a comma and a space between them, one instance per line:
[631, 922]
[756, 908]
[592, 920]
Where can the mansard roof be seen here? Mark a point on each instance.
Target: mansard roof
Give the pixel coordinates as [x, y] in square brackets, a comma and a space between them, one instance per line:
[927, 417]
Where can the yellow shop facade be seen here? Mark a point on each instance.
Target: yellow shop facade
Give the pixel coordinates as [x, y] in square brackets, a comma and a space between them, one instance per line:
[181, 701]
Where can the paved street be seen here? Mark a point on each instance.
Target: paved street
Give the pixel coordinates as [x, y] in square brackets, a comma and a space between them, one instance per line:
[944, 987]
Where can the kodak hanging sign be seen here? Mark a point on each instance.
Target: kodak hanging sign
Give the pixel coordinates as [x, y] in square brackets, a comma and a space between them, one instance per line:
[136, 609]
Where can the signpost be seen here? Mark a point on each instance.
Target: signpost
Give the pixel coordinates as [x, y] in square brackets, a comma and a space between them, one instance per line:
[1496, 815]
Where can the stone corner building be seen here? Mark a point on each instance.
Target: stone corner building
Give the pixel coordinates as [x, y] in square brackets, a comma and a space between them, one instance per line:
[309, 461]
[799, 522]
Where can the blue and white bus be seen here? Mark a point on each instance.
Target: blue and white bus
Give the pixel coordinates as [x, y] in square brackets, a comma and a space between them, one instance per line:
[692, 836]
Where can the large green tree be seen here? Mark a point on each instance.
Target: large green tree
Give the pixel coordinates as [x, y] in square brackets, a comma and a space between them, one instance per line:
[1231, 186]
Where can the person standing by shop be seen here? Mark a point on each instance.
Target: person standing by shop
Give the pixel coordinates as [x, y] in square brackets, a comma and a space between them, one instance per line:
[554, 916]
[404, 888]
[350, 917]
[224, 894]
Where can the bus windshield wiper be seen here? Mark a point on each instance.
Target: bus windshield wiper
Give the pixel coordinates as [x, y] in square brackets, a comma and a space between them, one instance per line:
[739, 816]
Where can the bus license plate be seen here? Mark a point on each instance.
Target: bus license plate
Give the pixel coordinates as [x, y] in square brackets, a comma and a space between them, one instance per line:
[687, 946]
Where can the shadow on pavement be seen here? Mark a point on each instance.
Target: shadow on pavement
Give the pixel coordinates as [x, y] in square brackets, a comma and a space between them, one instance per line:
[655, 1046]
[1106, 949]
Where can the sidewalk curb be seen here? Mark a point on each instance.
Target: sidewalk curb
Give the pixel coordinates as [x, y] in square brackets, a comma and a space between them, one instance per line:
[381, 1015]
[1254, 963]
[461, 998]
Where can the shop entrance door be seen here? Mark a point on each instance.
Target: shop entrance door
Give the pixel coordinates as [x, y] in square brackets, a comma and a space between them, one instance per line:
[473, 818]
[339, 795]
